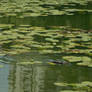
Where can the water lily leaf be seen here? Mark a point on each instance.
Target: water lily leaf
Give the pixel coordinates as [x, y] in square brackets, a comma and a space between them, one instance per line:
[76, 87]
[72, 58]
[71, 91]
[60, 84]
[51, 63]
[50, 39]
[26, 63]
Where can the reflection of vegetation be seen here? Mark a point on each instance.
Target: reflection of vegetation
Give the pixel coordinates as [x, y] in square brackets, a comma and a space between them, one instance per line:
[78, 87]
[27, 78]
[40, 78]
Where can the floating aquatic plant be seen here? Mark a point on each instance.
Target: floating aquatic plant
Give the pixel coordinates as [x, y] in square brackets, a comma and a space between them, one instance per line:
[76, 87]
[26, 38]
[41, 8]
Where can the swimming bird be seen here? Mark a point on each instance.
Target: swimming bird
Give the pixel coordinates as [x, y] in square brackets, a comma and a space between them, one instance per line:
[58, 61]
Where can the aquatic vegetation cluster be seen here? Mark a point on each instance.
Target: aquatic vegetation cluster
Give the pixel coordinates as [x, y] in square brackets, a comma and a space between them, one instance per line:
[27, 8]
[25, 42]
[84, 86]
[74, 45]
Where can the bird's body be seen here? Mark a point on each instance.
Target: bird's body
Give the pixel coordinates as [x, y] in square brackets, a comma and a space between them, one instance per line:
[58, 61]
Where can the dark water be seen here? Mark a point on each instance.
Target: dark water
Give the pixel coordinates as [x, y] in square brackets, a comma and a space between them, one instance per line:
[82, 21]
[40, 77]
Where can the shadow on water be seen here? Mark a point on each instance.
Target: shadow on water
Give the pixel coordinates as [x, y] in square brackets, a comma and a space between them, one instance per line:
[82, 21]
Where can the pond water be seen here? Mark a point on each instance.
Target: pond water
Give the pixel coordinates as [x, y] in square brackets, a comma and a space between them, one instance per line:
[42, 78]
[4, 73]
[28, 43]
[82, 21]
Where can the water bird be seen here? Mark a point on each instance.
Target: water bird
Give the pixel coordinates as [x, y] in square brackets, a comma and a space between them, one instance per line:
[58, 61]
